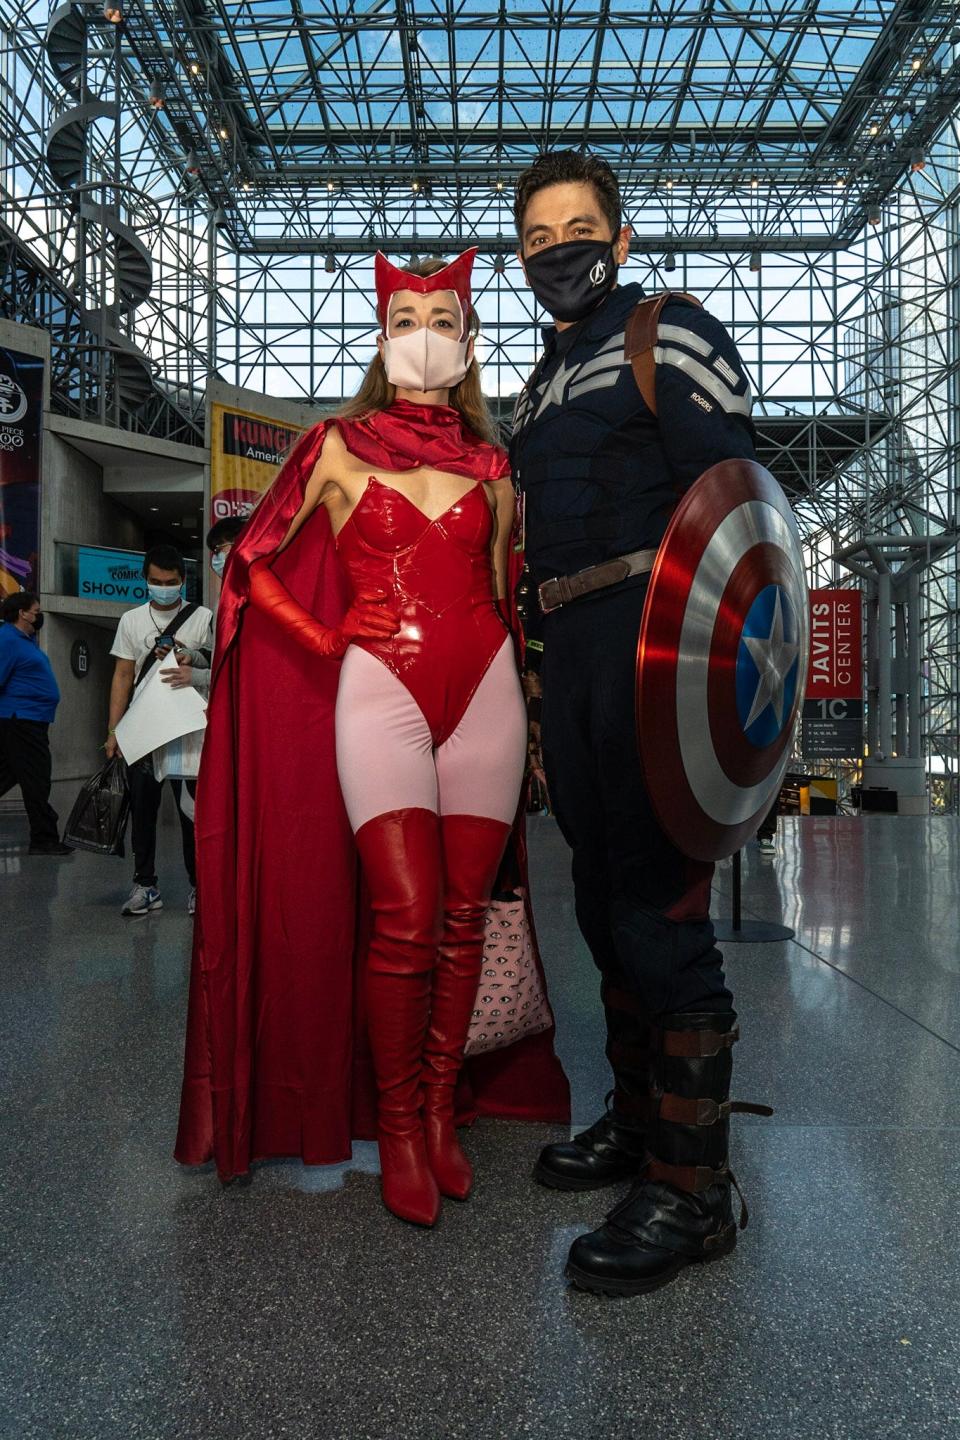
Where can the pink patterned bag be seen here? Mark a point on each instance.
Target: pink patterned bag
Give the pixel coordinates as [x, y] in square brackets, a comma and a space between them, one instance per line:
[511, 1001]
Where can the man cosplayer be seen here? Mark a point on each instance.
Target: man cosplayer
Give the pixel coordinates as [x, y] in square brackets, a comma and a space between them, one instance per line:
[630, 403]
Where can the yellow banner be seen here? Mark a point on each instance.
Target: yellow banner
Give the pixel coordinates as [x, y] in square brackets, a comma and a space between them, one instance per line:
[246, 451]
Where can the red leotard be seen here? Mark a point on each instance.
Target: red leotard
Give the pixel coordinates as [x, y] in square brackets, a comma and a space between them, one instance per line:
[439, 574]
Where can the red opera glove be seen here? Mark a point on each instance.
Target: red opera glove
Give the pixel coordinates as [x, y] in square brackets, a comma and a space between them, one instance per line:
[369, 617]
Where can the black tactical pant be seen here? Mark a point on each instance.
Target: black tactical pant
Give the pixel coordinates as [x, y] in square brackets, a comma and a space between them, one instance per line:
[25, 761]
[642, 906]
[145, 795]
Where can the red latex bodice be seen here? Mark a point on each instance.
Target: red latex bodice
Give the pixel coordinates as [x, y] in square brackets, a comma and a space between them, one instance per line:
[439, 575]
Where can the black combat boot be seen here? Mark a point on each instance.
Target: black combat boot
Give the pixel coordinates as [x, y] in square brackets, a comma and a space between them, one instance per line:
[615, 1146]
[679, 1211]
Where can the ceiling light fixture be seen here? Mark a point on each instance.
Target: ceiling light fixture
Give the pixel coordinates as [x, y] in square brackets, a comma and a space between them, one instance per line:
[873, 214]
[156, 98]
[670, 262]
[330, 265]
[113, 13]
[917, 160]
[756, 262]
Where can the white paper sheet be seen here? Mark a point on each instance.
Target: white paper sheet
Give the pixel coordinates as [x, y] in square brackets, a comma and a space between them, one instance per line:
[158, 713]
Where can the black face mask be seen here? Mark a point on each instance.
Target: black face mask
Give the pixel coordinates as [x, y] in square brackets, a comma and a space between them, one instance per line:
[37, 623]
[571, 280]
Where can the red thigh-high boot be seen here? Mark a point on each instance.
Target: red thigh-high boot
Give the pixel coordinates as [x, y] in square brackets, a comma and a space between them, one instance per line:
[402, 864]
[472, 850]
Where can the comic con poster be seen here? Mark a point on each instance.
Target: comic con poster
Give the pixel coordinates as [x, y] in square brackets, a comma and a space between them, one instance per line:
[21, 418]
[245, 453]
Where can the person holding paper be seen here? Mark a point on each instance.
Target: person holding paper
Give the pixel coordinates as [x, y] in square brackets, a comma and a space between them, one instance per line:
[165, 627]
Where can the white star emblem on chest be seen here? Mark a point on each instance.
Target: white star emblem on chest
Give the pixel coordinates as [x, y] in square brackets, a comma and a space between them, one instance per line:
[555, 391]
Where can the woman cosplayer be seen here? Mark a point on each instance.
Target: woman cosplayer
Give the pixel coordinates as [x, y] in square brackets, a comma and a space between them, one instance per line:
[365, 706]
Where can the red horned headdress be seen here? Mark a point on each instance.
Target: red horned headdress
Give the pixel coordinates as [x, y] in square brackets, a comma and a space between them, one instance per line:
[455, 277]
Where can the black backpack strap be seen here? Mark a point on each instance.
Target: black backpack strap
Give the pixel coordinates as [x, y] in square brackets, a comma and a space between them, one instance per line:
[181, 617]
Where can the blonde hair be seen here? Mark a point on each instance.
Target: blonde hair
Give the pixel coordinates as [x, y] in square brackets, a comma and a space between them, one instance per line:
[376, 392]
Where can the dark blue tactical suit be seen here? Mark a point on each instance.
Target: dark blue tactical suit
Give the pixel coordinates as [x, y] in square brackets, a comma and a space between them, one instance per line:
[601, 477]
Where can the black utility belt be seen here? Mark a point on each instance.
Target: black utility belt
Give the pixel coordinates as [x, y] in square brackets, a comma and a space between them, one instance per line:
[564, 588]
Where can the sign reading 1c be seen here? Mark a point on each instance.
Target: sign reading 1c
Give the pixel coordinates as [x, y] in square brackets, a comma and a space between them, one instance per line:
[80, 658]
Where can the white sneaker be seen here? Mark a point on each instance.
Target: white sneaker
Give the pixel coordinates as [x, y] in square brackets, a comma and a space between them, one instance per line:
[141, 900]
[192, 902]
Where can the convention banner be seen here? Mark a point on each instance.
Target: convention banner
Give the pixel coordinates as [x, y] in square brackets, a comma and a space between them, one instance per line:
[245, 452]
[21, 424]
[833, 706]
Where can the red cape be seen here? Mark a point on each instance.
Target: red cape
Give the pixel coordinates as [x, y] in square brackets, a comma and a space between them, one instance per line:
[277, 1060]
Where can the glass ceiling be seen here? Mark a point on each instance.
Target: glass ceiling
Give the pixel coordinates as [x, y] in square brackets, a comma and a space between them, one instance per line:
[816, 108]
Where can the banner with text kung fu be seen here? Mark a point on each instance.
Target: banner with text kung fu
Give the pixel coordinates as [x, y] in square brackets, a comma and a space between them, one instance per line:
[246, 451]
[21, 425]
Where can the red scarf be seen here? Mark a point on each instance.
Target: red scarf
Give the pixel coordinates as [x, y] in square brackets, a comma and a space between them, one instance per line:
[406, 435]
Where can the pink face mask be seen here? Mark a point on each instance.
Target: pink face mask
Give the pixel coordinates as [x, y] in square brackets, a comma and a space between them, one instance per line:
[424, 360]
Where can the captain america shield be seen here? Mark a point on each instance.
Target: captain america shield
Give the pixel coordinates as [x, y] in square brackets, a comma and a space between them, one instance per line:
[722, 660]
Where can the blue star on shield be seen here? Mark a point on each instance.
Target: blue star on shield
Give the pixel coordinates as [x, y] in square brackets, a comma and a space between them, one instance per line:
[767, 666]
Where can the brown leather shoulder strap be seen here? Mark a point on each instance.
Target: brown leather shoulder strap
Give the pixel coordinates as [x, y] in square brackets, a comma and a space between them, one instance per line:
[641, 337]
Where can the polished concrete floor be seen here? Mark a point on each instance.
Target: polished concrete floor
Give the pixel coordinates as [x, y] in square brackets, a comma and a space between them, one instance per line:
[142, 1300]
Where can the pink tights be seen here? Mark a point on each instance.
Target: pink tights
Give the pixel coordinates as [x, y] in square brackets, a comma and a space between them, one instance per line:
[386, 758]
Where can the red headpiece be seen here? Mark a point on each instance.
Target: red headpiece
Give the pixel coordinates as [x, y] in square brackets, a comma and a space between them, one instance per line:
[455, 277]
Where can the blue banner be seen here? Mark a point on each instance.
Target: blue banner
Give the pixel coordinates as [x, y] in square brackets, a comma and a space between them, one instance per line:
[111, 575]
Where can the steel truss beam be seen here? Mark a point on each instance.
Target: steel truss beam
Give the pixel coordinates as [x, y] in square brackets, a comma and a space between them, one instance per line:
[732, 129]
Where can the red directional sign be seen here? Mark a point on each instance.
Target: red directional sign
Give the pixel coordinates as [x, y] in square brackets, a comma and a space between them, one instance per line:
[836, 651]
[833, 706]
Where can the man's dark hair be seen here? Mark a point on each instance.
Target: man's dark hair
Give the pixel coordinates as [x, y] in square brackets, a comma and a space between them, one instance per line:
[223, 530]
[165, 557]
[564, 167]
[14, 605]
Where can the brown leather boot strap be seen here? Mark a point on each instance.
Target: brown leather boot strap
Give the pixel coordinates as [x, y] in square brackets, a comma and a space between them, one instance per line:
[681, 1111]
[698, 1044]
[692, 1178]
[695, 1179]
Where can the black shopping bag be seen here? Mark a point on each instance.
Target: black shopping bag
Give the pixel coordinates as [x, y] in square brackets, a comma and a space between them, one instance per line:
[99, 816]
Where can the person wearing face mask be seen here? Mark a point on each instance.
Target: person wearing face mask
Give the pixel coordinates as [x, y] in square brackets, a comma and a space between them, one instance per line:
[140, 642]
[365, 706]
[194, 669]
[29, 696]
[629, 404]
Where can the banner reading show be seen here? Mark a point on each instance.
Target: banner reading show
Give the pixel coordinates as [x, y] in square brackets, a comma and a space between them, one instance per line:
[246, 451]
[21, 421]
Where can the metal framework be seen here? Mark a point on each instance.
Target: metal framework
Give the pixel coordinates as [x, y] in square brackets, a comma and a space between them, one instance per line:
[200, 189]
